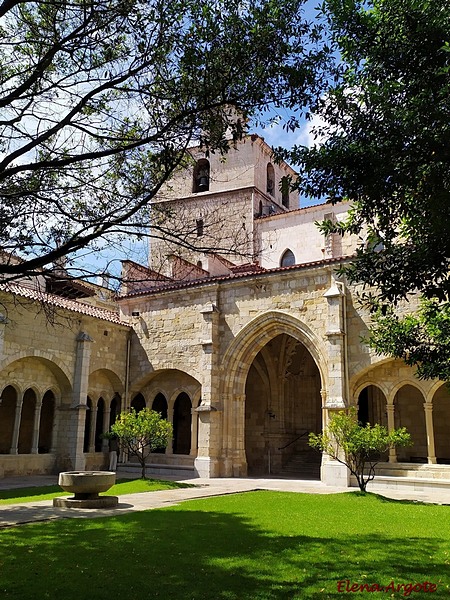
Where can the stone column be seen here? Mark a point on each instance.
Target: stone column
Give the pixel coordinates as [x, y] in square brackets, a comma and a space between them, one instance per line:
[169, 447]
[207, 463]
[332, 471]
[238, 453]
[194, 428]
[390, 409]
[16, 429]
[92, 427]
[55, 427]
[36, 423]
[79, 402]
[428, 407]
[105, 428]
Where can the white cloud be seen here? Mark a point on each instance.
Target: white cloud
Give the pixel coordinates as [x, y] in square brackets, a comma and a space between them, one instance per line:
[275, 135]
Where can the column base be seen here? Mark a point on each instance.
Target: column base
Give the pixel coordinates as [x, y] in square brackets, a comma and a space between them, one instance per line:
[334, 473]
[207, 467]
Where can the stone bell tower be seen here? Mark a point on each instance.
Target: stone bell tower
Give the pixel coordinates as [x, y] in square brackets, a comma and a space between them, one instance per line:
[209, 207]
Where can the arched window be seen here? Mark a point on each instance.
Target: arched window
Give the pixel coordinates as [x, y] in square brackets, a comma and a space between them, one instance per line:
[160, 405]
[199, 226]
[285, 188]
[46, 423]
[114, 409]
[182, 424]
[7, 417]
[27, 422]
[98, 442]
[288, 259]
[201, 176]
[270, 180]
[138, 402]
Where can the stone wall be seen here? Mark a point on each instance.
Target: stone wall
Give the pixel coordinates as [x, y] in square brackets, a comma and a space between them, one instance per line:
[47, 386]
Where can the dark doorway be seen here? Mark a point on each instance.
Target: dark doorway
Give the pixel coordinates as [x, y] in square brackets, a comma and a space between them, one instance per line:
[182, 424]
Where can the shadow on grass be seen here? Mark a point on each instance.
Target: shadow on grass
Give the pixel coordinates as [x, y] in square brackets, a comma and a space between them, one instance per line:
[29, 491]
[199, 554]
[382, 498]
[144, 485]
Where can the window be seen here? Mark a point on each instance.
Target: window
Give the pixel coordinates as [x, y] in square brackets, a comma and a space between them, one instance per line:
[201, 176]
[270, 179]
[199, 225]
[285, 188]
[288, 259]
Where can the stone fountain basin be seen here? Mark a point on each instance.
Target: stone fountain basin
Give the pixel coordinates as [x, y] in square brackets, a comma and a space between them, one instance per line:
[86, 486]
[86, 482]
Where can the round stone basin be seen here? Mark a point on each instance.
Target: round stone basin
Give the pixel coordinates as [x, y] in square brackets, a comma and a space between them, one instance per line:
[86, 486]
[86, 482]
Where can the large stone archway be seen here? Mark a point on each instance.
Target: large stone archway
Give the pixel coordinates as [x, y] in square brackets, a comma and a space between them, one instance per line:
[251, 367]
[282, 405]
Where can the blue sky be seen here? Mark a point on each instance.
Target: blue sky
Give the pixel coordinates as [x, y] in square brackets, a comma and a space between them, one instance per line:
[274, 135]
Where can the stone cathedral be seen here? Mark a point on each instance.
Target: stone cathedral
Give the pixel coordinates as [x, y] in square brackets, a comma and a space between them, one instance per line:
[242, 336]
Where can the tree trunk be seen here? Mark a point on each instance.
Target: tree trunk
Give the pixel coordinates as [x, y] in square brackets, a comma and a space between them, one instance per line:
[142, 461]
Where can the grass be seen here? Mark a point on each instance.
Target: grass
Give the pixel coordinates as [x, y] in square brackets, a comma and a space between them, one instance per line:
[122, 486]
[252, 546]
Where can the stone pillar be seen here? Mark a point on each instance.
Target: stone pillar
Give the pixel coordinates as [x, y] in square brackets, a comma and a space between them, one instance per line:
[92, 427]
[194, 428]
[16, 429]
[169, 447]
[390, 409]
[336, 396]
[105, 428]
[55, 427]
[79, 402]
[36, 423]
[428, 407]
[239, 458]
[207, 463]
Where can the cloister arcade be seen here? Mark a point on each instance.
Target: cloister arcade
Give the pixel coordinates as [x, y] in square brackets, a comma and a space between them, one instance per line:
[175, 395]
[423, 410]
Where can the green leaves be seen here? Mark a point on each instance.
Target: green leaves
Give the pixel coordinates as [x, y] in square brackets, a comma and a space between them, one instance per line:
[386, 125]
[140, 433]
[356, 446]
[422, 339]
[89, 90]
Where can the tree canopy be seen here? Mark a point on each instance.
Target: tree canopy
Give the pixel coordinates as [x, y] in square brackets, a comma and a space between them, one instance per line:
[360, 448]
[140, 433]
[99, 100]
[386, 127]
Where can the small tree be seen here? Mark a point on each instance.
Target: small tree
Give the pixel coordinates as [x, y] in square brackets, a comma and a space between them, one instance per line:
[357, 447]
[140, 433]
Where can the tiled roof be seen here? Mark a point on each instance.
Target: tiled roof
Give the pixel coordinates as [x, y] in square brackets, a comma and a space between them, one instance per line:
[220, 278]
[53, 300]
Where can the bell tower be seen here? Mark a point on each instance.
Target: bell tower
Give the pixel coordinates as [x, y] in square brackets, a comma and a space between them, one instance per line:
[209, 207]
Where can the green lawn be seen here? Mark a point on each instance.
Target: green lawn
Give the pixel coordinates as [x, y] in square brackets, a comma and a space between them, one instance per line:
[123, 486]
[252, 546]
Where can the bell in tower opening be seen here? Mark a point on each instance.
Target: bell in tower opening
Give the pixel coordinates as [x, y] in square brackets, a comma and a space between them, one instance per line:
[201, 176]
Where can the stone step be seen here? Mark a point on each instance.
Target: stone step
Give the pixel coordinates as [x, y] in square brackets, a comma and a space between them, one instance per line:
[417, 484]
[304, 464]
[422, 471]
[182, 471]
